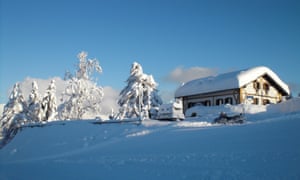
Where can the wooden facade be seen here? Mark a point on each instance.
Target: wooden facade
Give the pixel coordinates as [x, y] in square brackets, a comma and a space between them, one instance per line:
[263, 90]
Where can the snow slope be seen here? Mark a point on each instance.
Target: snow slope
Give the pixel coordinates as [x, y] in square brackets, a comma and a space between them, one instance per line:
[267, 148]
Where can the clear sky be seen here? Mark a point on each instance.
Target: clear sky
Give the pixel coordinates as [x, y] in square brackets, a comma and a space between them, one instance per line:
[41, 38]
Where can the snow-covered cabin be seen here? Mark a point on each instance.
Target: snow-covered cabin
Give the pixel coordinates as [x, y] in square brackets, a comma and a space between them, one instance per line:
[258, 85]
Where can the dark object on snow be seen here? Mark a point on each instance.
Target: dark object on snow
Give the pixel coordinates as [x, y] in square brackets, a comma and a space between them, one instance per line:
[121, 121]
[224, 119]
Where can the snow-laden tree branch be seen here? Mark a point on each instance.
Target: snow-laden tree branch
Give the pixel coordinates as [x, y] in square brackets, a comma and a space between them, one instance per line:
[86, 67]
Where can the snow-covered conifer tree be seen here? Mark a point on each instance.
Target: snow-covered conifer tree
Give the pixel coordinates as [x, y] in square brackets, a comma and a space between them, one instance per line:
[82, 97]
[140, 94]
[35, 112]
[49, 105]
[14, 111]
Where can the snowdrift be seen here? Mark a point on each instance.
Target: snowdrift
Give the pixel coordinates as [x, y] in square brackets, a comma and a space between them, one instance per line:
[208, 113]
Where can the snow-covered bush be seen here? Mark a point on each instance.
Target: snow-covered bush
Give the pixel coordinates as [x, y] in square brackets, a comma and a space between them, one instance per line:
[82, 97]
[140, 94]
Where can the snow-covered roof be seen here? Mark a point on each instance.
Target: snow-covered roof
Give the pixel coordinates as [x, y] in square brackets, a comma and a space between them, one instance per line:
[231, 80]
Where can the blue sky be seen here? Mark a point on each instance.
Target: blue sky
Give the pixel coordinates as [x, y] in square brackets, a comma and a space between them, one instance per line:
[41, 39]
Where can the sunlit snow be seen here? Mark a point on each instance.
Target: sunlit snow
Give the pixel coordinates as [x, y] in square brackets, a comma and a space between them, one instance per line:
[265, 147]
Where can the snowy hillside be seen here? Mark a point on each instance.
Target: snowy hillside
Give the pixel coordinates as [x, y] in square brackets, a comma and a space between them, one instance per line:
[266, 147]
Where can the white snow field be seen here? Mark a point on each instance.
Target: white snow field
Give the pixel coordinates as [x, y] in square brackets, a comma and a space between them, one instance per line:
[267, 146]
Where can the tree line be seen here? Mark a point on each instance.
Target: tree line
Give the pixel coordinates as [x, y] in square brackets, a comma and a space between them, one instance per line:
[81, 97]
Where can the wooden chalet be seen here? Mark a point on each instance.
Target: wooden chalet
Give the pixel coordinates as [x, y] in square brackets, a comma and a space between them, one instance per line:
[258, 85]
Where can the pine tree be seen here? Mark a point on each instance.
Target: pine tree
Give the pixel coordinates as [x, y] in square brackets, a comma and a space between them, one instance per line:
[35, 112]
[82, 97]
[49, 105]
[14, 113]
[140, 94]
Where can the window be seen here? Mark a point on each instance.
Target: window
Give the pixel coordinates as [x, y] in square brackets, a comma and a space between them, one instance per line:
[219, 102]
[191, 104]
[266, 88]
[228, 100]
[266, 101]
[255, 101]
[256, 85]
[207, 103]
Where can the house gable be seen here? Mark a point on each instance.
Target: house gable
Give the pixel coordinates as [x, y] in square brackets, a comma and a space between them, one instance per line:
[263, 90]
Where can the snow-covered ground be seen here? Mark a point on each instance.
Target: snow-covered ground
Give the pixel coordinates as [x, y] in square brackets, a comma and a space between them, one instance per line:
[267, 146]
